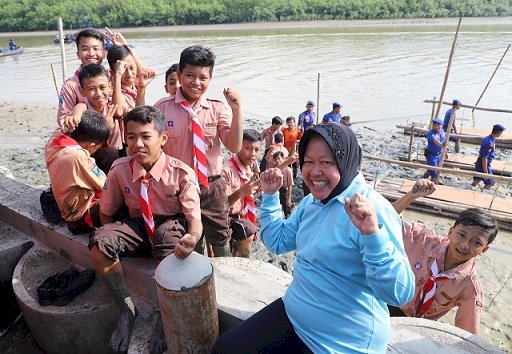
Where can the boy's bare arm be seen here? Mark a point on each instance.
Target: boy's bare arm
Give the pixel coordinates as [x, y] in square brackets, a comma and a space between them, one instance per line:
[421, 188]
[288, 161]
[68, 123]
[234, 138]
[289, 196]
[117, 95]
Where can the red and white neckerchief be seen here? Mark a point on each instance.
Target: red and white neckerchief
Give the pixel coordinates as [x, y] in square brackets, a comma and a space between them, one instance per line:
[144, 204]
[248, 206]
[200, 161]
[426, 294]
[129, 91]
[64, 140]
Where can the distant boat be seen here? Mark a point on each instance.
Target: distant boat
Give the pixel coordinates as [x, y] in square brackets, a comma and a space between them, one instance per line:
[68, 38]
[4, 53]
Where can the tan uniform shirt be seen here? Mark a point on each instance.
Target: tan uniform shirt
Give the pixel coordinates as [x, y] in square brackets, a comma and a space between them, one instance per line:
[233, 182]
[115, 139]
[463, 291]
[74, 177]
[69, 96]
[130, 98]
[268, 136]
[172, 190]
[216, 124]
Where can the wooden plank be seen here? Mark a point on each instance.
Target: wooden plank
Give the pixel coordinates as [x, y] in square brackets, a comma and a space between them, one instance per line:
[466, 162]
[466, 197]
[483, 133]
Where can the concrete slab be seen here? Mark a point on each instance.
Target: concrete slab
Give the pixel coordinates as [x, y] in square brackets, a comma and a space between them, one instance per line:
[82, 326]
[419, 336]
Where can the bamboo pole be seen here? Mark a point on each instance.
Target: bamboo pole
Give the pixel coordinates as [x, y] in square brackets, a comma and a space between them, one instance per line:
[447, 74]
[54, 75]
[62, 49]
[318, 98]
[440, 169]
[446, 142]
[474, 107]
[410, 143]
[492, 76]
[432, 113]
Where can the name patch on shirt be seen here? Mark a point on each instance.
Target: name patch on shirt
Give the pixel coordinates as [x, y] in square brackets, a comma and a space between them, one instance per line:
[431, 311]
[170, 123]
[446, 296]
[210, 124]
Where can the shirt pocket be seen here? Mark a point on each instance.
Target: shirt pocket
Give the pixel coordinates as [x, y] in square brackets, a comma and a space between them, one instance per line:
[132, 204]
[210, 130]
[172, 203]
[442, 299]
[176, 132]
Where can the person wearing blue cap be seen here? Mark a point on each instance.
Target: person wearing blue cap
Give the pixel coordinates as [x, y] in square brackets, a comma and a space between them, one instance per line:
[486, 155]
[307, 118]
[456, 104]
[436, 142]
[334, 115]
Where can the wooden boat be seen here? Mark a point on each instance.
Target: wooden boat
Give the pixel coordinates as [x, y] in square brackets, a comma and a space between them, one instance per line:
[4, 53]
[449, 201]
[465, 162]
[68, 38]
[467, 135]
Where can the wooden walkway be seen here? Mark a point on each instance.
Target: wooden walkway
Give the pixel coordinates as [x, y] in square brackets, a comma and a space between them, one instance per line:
[450, 201]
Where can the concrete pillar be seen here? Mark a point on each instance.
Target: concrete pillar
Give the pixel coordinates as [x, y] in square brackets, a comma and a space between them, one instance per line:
[186, 294]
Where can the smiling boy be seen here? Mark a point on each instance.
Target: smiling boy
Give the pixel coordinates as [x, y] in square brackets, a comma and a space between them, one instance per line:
[444, 268]
[163, 203]
[90, 49]
[196, 126]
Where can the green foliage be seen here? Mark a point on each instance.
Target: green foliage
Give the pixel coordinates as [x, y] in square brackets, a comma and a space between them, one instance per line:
[33, 15]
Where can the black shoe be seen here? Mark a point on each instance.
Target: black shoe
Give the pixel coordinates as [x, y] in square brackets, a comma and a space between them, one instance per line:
[74, 286]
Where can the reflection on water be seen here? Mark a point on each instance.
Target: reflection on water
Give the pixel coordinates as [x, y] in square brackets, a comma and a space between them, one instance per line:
[375, 71]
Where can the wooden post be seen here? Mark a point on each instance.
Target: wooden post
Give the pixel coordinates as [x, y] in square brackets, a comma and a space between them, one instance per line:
[492, 76]
[54, 75]
[452, 171]
[446, 142]
[318, 98]
[62, 49]
[433, 112]
[410, 143]
[448, 68]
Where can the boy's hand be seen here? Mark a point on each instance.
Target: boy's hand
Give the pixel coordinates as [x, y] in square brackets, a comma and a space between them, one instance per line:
[294, 156]
[146, 75]
[423, 187]
[271, 180]
[362, 214]
[233, 98]
[69, 123]
[185, 246]
[116, 37]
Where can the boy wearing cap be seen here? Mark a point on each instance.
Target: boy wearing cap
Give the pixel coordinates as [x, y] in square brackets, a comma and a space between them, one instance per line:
[307, 118]
[436, 142]
[486, 155]
[334, 115]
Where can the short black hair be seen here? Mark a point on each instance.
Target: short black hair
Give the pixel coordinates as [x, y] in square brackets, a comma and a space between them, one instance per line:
[171, 70]
[278, 138]
[92, 127]
[146, 115]
[117, 52]
[480, 218]
[197, 56]
[290, 118]
[277, 120]
[91, 70]
[89, 32]
[251, 135]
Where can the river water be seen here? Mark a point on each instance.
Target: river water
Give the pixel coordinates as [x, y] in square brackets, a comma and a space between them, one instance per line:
[378, 71]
